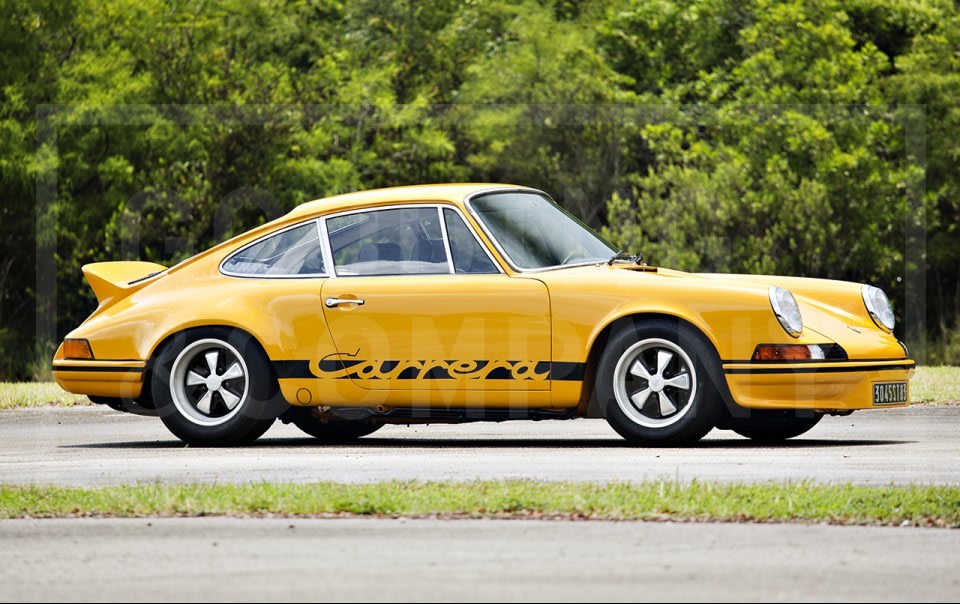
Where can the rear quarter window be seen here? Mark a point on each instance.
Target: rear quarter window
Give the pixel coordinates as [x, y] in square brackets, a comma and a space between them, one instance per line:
[292, 252]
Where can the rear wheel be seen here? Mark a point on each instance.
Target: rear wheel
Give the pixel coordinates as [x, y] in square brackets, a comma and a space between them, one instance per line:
[654, 384]
[215, 388]
[774, 426]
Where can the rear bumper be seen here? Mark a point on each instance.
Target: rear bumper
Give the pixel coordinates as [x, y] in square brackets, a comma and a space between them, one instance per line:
[114, 379]
[819, 385]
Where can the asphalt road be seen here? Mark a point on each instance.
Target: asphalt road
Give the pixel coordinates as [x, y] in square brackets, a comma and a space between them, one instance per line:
[496, 560]
[96, 446]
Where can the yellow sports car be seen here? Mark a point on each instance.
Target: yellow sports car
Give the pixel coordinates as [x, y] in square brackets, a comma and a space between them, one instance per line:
[471, 302]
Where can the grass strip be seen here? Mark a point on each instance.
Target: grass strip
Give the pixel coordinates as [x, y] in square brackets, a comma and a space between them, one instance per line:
[937, 385]
[37, 394]
[914, 505]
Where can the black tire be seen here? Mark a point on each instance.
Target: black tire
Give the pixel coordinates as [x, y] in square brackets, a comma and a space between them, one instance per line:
[696, 410]
[775, 426]
[259, 403]
[114, 403]
[333, 431]
[140, 406]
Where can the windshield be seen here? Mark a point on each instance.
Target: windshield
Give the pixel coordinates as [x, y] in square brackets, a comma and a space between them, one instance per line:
[536, 233]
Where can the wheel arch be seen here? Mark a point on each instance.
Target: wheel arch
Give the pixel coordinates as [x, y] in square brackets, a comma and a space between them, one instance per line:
[588, 399]
[159, 342]
[187, 332]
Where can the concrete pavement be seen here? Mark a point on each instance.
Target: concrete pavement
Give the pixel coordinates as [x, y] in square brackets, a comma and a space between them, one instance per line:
[97, 446]
[224, 559]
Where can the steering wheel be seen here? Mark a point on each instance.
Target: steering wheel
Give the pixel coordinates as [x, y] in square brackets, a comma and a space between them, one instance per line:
[569, 257]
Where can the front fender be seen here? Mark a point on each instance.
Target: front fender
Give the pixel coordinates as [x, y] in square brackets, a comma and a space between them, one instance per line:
[840, 298]
[735, 317]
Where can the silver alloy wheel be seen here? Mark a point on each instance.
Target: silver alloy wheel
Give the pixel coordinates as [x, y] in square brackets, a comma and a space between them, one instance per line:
[655, 383]
[209, 382]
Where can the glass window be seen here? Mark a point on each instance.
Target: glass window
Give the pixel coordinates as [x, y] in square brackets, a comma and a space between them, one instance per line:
[535, 233]
[295, 251]
[402, 241]
[468, 255]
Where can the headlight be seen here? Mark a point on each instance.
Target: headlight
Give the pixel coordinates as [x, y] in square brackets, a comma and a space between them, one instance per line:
[787, 311]
[879, 307]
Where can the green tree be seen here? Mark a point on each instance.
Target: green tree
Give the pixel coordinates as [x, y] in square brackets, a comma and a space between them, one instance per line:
[733, 135]
[541, 110]
[796, 166]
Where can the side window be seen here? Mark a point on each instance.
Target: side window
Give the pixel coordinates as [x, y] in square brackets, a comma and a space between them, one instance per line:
[295, 251]
[403, 241]
[468, 256]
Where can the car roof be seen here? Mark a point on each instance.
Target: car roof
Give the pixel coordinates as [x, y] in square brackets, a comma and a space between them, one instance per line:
[454, 193]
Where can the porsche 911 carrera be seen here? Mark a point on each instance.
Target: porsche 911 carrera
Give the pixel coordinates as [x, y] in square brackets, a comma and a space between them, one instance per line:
[471, 302]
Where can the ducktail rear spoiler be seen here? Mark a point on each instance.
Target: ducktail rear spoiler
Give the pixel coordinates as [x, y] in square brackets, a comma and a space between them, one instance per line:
[113, 281]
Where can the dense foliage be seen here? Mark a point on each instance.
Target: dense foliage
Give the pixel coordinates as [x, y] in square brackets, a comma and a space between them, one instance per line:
[802, 137]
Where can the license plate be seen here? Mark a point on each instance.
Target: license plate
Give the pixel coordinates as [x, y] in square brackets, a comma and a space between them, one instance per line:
[890, 393]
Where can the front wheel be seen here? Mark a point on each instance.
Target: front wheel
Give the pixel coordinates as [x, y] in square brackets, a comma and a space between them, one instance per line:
[654, 384]
[214, 387]
[775, 426]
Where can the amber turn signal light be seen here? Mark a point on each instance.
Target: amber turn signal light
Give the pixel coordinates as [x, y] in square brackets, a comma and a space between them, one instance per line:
[783, 352]
[77, 349]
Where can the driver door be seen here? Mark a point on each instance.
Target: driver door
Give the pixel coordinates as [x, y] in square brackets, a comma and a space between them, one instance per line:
[418, 304]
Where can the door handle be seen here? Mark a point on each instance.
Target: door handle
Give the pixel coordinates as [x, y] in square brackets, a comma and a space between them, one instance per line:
[335, 302]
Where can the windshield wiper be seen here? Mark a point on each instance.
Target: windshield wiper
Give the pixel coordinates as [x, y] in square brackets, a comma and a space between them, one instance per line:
[623, 256]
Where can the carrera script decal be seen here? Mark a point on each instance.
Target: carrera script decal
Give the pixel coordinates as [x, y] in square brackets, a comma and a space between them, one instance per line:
[338, 366]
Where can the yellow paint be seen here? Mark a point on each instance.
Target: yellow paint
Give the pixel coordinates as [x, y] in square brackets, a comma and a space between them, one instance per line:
[512, 321]
[852, 390]
[440, 318]
[110, 281]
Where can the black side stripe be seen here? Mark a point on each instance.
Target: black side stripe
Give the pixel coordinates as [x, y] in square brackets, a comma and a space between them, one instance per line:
[809, 361]
[821, 369]
[560, 371]
[100, 369]
[293, 369]
[563, 371]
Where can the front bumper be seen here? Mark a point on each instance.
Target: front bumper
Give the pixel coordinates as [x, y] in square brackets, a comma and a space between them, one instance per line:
[114, 379]
[813, 385]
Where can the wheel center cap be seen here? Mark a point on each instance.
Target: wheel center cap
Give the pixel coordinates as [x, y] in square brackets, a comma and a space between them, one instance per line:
[656, 383]
[213, 382]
